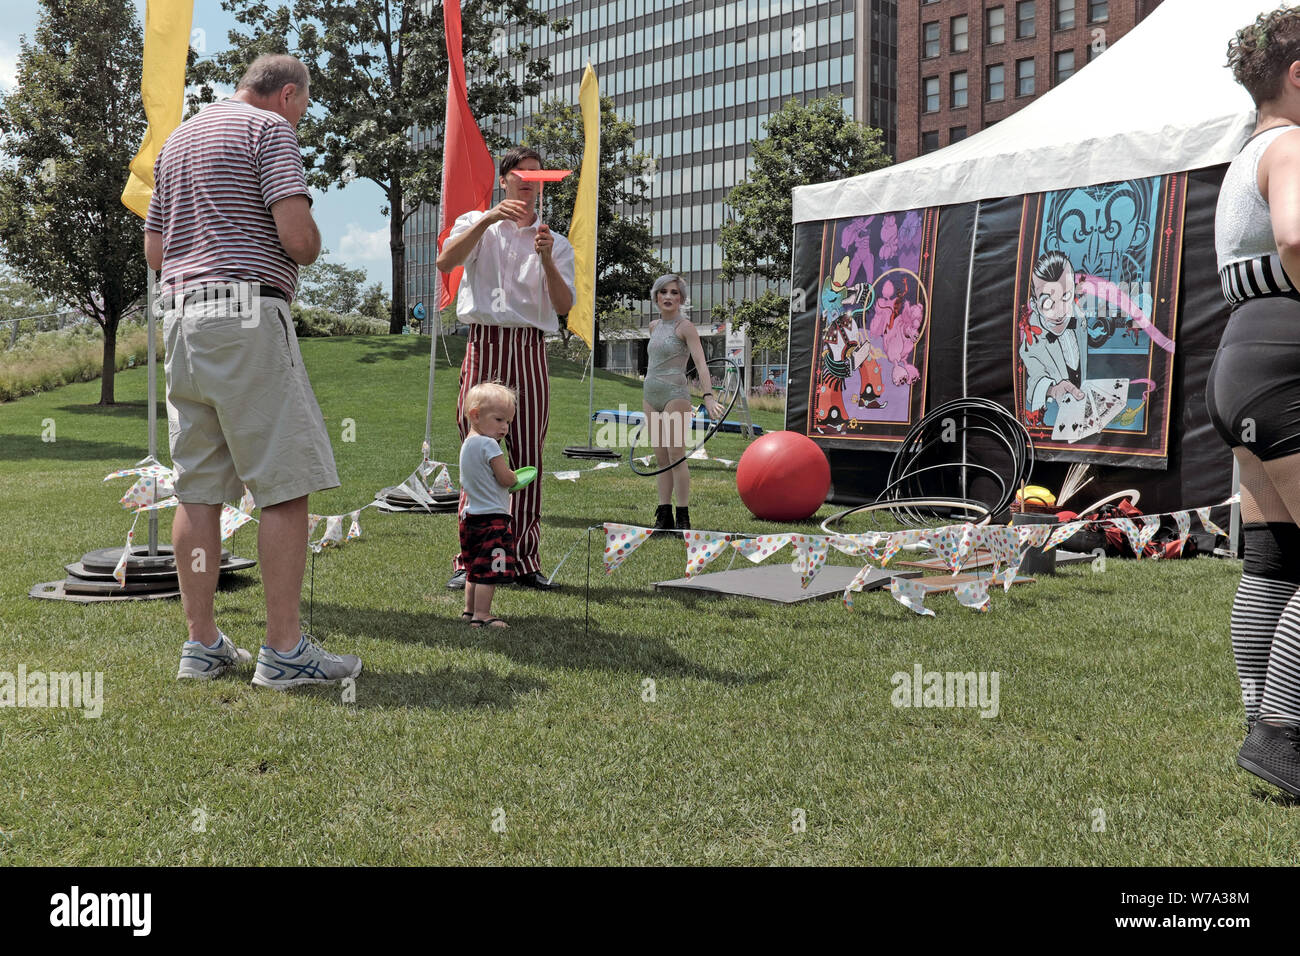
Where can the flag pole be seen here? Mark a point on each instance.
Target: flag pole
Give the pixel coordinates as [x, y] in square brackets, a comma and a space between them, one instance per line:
[152, 414]
[435, 322]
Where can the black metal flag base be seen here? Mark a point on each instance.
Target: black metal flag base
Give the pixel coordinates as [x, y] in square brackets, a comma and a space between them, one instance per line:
[148, 576]
[591, 453]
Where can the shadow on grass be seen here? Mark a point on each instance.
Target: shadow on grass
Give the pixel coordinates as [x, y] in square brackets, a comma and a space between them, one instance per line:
[128, 410]
[392, 348]
[31, 448]
[446, 689]
[1276, 797]
[539, 641]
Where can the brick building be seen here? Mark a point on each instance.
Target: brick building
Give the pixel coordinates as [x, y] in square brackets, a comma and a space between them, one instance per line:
[965, 64]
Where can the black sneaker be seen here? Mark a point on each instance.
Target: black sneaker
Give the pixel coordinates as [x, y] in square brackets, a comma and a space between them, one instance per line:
[457, 582]
[1272, 753]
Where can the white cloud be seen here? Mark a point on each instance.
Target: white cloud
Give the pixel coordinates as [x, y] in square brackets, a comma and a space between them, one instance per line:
[8, 68]
[361, 246]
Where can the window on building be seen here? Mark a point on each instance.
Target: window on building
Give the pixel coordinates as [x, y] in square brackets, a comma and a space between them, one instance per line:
[930, 92]
[956, 134]
[1064, 65]
[1025, 77]
[995, 83]
[959, 33]
[1024, 19]
[957, 90]
[930, 46]
[1098, 10]
[995, 25]
[929, 141]
[1064, 14]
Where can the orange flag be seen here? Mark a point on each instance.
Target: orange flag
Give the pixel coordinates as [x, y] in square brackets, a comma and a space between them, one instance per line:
[468, 173]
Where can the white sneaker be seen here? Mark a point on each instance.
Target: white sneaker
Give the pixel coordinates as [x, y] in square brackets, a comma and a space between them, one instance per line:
[200, 662]
[308, 663]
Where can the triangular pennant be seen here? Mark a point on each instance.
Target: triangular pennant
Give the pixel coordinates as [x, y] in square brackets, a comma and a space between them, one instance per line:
[1006, 544]
[154, 470]
[333, 536]
[246, 503]
[354, 529]
[763, 546]
[1150, 525]
[119, 572]
[620, 541]
[809, 555]
[854, 544]
[911, 594]
[1184, 522]
[1204, 515]
[232, 519]
[312, 522]
[974, 594]
[857, 584]
[1131, 532]
[605, 464]
[1035, 535]
[702, 547]
[1063, 533]
[945, 543]
[567, 475]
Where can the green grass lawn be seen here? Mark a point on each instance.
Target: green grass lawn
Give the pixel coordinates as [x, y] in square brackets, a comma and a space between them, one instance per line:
[1117, 691]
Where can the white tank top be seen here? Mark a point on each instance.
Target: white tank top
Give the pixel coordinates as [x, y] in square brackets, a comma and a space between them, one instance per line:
[1242, 227]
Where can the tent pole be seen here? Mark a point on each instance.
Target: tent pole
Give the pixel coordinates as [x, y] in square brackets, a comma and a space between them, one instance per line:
[965, 335]
[152, 405]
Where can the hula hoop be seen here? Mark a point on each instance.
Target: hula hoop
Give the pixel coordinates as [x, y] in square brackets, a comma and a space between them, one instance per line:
[732, 367]
[963, 504]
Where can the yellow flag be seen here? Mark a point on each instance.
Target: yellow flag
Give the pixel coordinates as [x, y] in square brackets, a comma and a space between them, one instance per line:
[582, 230]
[162, 85]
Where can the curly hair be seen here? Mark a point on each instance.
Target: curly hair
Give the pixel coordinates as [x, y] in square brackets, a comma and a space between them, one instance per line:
[1262, 52]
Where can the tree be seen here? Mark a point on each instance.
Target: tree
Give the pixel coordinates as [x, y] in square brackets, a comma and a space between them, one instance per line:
[808, 144]
[19, 299]
[70, 130]
[331, 285]
[379, 73]
[626, 264]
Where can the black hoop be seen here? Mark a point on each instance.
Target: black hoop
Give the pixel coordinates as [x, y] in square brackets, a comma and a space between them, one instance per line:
[634, 439]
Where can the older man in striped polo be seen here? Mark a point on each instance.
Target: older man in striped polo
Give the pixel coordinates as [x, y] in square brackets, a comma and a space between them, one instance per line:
[229, 224]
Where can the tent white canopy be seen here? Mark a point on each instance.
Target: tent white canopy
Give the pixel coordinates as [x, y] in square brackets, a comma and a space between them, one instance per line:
[1159, 100]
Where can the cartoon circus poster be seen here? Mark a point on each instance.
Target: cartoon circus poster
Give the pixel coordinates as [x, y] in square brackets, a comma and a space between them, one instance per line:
[872, 334]
[1096, 297]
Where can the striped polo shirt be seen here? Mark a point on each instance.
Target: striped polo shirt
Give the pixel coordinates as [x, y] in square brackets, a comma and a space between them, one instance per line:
[215, 181]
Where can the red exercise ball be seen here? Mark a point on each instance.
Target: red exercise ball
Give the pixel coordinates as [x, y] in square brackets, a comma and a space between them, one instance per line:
[783, 476]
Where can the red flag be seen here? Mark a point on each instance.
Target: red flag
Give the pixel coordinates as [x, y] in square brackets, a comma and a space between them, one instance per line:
[468, 174]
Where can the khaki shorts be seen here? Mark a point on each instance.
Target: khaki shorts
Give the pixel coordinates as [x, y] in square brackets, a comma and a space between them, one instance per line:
[240, 410]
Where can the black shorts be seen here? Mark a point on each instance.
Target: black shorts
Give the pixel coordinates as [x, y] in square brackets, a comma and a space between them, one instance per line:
[1253, 392]
[487, 549]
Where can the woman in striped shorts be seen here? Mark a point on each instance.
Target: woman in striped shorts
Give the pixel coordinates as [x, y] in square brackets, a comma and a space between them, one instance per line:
[1254, 390]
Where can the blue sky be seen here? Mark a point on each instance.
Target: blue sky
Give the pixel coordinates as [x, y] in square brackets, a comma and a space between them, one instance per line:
[349, 219]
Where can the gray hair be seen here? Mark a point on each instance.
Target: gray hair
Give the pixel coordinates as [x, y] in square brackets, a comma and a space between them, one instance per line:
[663, 281]
[272, 72]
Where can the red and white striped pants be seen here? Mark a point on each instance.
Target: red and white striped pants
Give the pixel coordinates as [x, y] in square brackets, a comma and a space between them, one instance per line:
[517, 359]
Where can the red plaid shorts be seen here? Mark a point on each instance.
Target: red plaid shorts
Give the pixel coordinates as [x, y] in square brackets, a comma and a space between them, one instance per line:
[487, 549]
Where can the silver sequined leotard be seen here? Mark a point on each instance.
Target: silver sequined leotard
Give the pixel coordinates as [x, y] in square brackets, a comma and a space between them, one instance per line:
[665, 376]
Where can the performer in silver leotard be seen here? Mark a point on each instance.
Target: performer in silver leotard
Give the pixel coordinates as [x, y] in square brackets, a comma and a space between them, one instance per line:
[667, 397]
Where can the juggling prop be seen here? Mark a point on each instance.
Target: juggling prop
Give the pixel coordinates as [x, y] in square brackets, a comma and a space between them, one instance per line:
[524, 477]
[783, 476]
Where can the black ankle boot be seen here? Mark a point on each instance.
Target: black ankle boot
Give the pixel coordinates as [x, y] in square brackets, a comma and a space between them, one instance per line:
[664, 518]
[683, 519]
